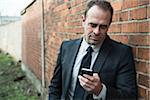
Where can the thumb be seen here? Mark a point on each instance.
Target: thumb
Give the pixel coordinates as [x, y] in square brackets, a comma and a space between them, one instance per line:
[95, 75]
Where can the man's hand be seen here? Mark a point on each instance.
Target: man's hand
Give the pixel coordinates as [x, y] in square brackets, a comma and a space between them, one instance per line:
[91, 83]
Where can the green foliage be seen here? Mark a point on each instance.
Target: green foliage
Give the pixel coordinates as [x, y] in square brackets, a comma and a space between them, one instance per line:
[13, 83]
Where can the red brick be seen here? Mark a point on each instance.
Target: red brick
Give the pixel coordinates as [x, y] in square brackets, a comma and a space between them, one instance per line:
[31, 53]
[143, 2]
[115, 28]
[139, 13]
[117, 5]
[142, 93]
[148, 12]
[116, 17]
[120, 38]
[80, 1]
[74, 23]
[77, 9]
[144, 80]
[143, 53]
[129, 4]
[65, 12]
[61, 7]
[134, 50]
[125, 16]
[148, 67]
[66, 0]
[129, 27]
[144, 27]
[142, 67]
[148, 95]
[76, 2]
[139, 40]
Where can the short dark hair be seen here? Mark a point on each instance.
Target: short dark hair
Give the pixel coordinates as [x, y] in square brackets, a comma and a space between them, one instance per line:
[105, 5]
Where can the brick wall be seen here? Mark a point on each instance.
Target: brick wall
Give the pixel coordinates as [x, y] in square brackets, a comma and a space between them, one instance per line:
[130, 26]
[62, 20]
[31, 44]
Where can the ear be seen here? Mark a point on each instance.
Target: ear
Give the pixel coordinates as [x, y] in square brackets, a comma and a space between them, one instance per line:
[83, 18]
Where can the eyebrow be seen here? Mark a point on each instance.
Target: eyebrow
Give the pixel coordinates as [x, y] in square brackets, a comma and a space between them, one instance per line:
[93, 23]
[98, 24]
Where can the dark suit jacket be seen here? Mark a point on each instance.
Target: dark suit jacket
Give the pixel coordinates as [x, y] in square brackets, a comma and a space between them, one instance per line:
[114, 64]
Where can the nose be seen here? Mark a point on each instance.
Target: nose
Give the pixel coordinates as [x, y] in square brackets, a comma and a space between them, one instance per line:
[97, 30]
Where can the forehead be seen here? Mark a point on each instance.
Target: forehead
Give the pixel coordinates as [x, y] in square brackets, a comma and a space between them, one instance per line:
[98, 14]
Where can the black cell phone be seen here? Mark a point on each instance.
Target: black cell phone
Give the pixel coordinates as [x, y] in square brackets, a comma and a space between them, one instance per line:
[86, 71]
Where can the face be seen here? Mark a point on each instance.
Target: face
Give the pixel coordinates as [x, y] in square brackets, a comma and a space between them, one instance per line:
[96, 24]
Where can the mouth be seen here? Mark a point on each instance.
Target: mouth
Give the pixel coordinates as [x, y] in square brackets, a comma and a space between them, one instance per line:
[94, 39]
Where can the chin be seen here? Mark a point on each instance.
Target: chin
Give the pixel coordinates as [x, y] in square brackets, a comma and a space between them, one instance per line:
[92, 43]
[95, 42]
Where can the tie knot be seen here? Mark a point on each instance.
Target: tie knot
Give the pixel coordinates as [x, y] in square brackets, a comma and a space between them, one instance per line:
[89, 49]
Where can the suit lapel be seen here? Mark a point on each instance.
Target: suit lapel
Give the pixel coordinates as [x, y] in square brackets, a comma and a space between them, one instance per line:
[103, 53]
[72, 53]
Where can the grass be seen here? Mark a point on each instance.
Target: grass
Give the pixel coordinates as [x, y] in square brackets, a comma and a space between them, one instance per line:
[13, 83]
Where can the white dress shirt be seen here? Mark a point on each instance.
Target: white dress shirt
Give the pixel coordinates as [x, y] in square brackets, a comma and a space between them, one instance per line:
[82, 52]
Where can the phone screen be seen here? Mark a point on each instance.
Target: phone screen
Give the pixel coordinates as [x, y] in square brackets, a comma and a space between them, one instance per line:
[86, 71]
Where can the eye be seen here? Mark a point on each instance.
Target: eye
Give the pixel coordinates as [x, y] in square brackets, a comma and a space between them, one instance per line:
[103, 26]
[93, 25]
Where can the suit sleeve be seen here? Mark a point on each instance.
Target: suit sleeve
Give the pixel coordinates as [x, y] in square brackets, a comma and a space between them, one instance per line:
[55, 87]
[125, 88]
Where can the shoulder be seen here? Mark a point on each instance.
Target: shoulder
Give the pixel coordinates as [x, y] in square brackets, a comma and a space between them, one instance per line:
[123, 51]
[118, 46]
[69, 43]
[68, 46]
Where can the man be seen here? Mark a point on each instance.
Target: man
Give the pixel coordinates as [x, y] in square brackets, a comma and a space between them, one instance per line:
[112, 64]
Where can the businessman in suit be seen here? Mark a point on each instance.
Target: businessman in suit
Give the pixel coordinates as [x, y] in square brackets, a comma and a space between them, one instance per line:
[113, 72]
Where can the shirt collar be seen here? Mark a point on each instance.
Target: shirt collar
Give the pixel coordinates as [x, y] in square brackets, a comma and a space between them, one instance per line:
[85, 45]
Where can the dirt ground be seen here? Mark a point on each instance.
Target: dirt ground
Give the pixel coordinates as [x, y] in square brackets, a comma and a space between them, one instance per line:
[14, 85]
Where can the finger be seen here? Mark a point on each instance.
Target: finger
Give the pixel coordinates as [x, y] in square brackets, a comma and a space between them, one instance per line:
[81, 78]
[91, 78]
[87, 80]
[86, 86]
[84, 81]
[96, 76]
[97, 84]
[89, 87]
